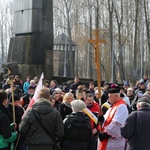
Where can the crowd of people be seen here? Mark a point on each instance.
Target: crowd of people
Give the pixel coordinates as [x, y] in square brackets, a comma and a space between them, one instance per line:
[57, 121]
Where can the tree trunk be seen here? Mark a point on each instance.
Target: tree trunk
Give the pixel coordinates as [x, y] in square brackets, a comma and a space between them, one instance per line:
[70, 70]
[147, 29]
[135, 43]
[89, 59]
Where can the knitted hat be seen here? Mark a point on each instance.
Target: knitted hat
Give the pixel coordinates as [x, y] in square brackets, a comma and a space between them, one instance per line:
[126, 84]
[78, 105]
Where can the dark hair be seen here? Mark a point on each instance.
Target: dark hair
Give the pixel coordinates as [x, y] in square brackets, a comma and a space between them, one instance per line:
[89, 95]
[31, 87]
[51, 97]
[76, 77]
[86, 91]
[91, 83]
[46, 81]
[3, 96]
[55, 81]
[63, 90]
[28, 77]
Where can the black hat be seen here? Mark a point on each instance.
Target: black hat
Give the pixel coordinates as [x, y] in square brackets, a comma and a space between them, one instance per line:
[143, 99]
[16, 98]
[114, 89]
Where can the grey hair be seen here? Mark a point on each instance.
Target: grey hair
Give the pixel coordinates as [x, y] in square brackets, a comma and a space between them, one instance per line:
[143, 104]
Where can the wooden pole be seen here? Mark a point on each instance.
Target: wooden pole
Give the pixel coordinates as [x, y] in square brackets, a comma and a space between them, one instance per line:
[96, 44]
[12, 94]
[98, 62]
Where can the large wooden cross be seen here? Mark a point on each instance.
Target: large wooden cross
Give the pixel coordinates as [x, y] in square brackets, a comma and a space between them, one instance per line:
[96, 44]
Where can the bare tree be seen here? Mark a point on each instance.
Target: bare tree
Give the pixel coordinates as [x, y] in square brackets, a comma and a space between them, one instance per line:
[119, 22]
[147, 21]
[6, 11]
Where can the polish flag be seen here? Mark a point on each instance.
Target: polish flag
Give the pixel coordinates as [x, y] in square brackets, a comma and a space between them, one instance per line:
[38, 88]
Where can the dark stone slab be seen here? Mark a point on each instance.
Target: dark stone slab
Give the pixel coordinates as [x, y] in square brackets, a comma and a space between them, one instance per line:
[32, 46]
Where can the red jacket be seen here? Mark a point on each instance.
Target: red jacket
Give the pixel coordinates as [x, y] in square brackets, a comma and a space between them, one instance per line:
[95, 109]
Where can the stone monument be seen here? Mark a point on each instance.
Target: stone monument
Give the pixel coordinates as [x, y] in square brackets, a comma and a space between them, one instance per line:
[32, 46]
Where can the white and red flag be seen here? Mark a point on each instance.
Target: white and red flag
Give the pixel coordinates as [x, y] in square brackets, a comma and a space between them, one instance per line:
[38, 88]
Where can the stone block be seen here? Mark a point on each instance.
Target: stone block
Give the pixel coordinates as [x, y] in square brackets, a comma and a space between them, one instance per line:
[29, 70]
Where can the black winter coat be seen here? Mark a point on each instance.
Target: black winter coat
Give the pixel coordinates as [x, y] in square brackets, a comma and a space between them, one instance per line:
[137, 129]
[64, 110]
[19, 111]
[78, 132]
[49, 117]
[5, 129]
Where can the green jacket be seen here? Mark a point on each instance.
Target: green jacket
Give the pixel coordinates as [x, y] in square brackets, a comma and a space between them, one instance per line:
[5, 142]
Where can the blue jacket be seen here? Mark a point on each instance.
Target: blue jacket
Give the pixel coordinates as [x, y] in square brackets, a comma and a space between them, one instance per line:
[26, 86]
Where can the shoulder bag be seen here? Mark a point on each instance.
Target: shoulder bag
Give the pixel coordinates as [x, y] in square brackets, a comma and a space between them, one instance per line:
[57, 143]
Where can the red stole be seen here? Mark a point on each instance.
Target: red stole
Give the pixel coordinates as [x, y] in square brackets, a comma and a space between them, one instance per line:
[112, 112]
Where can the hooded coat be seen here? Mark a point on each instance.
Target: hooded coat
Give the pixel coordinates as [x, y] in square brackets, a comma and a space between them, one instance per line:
[35, 135]
[78, 132]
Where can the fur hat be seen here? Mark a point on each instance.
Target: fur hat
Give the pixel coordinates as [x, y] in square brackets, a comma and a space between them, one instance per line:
[78, 105]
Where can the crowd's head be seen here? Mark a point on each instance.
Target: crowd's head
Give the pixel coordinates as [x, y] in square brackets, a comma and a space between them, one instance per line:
[44, 93]
[3, 98]
[78, 105]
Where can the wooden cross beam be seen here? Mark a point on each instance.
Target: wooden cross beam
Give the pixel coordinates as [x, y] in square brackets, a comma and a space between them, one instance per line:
[96, 43]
